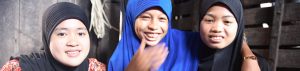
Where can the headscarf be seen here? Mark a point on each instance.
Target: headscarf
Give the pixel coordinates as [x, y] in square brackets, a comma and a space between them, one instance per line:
[128, 45]
[53, 16]
[228, 58]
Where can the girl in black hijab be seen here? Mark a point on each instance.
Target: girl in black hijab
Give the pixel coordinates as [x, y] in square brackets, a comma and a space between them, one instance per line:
[66, 43]
[221, 26]
[221, 29]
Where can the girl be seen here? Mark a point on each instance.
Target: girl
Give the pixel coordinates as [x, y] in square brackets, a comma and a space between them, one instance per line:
[66, 43]
[221, 32]
[147, 24]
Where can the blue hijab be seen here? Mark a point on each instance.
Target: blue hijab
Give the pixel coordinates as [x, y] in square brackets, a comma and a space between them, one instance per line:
[179, 57]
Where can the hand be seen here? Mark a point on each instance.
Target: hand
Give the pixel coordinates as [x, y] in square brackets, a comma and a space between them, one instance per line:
[149, 58]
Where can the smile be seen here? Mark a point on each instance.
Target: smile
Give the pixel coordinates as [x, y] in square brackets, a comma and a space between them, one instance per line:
[216, 39]
[73, 53]
[152, 36]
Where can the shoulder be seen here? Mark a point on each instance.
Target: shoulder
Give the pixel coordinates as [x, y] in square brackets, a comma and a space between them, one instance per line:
[12, 65]
[95, 65]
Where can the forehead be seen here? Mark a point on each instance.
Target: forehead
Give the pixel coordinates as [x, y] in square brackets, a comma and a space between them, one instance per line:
[219, 9]
[219, 12]
[70, 24]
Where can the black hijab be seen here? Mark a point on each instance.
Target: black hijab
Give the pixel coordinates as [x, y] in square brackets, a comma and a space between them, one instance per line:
[53, 16]
[228, 58]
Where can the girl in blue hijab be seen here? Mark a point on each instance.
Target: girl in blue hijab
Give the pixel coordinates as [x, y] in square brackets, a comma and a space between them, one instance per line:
[178, 57]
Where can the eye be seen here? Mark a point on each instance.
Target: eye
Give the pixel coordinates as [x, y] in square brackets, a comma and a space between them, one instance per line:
[81, 34]
[163, 19]
[145, 17]
[228, 22]
[61, 34]
[209, 20]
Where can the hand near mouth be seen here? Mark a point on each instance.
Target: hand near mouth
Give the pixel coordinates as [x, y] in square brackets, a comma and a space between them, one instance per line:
[150, 58]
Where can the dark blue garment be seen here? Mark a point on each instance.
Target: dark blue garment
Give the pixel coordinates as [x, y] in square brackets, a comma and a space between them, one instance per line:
[180, 57]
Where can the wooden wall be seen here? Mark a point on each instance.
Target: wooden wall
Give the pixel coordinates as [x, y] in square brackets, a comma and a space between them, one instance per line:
[20, 26]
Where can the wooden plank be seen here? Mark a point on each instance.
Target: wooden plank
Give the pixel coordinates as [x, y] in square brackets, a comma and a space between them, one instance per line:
[184, 8]
[9, 27]
[184, 14]
[257, 16]
[291, 12]
[287, 58]
[253, 3]
[259, 36]
[276, 33]
[185, 23]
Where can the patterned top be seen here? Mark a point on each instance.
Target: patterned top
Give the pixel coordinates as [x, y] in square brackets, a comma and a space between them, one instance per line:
[94, 65]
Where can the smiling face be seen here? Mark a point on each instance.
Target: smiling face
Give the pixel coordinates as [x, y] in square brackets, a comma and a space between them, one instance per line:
[218, 27]
[151, 25]
[70, 43]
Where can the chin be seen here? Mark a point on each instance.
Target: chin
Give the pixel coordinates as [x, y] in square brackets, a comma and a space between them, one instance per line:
[216, 46]
[74, 63]
[151, 43]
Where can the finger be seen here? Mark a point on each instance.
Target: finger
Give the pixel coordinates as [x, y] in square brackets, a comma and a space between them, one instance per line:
[142, 46]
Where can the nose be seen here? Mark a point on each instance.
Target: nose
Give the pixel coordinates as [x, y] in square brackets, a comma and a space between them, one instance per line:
[153, 24]
[72, 41]
[217, 27]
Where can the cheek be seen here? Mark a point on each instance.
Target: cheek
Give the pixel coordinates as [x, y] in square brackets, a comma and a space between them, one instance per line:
[56, 46]
[231, 33]
[164, 27]
[204, 29]
[85, 42]
[138, 27]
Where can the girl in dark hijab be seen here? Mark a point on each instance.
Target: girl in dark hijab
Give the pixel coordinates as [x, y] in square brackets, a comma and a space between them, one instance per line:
[66, 43]
[221, 31]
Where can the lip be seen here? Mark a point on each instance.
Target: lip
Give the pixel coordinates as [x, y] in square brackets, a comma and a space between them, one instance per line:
[152, 36]
[216, 38]
[73, 53]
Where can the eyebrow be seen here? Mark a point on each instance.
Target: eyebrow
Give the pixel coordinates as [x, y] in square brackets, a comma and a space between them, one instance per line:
[57, 29]
[211, 15]
[81, 28]
[226, 16]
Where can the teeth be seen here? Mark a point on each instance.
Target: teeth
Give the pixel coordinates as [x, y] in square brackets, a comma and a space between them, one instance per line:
[152, 36]
[72, 53]
[216, 38]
